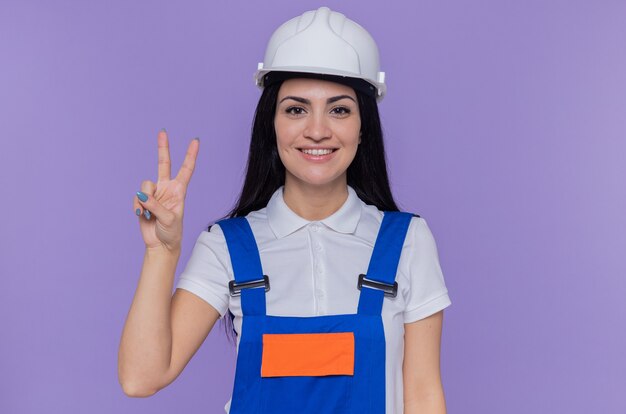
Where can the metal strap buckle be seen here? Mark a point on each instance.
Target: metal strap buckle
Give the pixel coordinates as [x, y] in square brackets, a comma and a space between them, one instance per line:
[389, 290]
[235, 288]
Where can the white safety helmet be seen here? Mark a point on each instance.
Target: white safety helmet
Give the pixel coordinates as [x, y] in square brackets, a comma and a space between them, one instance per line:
[323, 42]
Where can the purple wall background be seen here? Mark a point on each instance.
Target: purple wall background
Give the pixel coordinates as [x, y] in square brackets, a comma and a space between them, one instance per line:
[505, 125]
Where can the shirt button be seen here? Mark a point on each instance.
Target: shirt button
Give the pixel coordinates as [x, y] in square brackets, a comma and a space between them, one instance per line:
[318, 247]
[320, 293]
[314, 227]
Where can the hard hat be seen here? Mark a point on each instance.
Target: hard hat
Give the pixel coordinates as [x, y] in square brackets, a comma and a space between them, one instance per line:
[323, 42]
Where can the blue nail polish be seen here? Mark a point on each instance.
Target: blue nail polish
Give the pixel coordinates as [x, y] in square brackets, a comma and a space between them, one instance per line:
[142, 196]
[138, 211]
[146, 214]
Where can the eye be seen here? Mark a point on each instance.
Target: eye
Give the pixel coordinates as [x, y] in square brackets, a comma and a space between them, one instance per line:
[294, 110]
[341, 110]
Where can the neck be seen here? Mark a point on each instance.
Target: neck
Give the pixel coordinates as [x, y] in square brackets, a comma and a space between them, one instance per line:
[314, 202]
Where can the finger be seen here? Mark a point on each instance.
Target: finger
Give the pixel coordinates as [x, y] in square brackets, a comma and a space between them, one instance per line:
[137, 207]
[148, 188]
[164, 156]
[186, 170]
[151, 204]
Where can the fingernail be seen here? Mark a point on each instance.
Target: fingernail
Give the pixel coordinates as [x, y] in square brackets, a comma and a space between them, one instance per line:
[138, 211]
[142, 196]
[198, 138]
[163, 130]
[146, 214]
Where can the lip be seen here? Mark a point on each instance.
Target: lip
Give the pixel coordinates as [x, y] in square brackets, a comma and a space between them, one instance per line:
[319, 148]
[317, 158]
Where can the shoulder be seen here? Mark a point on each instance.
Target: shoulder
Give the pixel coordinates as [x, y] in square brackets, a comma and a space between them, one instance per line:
[418, 230]
[370, 214]
[371, 220]
[418, 234]
[368, 224]
[419, 241]
[259, 225]
[210, 246]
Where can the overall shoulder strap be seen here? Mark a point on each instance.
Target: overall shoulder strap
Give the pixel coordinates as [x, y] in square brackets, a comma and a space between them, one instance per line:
[383, 266]
[244, 256]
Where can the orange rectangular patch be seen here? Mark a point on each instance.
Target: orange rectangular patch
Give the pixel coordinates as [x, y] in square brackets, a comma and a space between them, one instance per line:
[309, 354]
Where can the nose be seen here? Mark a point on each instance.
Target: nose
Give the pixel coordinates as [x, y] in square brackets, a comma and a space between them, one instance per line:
[317, 128]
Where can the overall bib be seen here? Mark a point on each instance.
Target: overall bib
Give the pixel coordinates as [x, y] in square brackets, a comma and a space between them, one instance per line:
[312, 365]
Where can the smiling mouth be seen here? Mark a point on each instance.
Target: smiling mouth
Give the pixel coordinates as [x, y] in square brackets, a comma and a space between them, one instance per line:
[324, 151]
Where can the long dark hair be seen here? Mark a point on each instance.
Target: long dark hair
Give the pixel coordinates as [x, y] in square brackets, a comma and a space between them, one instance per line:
[265, 172]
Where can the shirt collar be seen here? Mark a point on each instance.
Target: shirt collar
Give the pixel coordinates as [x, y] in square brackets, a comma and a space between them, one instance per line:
[284, 221]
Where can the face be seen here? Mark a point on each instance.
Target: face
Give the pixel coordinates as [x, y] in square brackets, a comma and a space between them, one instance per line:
[317, 126]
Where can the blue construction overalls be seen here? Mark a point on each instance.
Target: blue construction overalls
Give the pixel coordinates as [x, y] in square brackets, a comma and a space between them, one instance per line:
[274, 350]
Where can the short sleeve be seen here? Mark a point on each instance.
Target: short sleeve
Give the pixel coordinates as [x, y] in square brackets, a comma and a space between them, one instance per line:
[205, 273]
[428, 293]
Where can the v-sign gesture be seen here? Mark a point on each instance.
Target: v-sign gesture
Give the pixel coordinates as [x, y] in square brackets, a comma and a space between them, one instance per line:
[162, 224]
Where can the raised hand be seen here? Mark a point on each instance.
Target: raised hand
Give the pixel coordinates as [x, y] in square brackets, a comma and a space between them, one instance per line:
[161, 214]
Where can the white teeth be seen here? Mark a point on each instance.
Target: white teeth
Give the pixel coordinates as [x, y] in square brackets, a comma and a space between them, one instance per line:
[317, 151]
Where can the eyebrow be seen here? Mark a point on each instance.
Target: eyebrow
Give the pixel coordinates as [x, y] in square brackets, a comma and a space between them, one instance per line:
[308, 102]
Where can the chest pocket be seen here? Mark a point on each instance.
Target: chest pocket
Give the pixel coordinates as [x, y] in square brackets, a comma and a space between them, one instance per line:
[307, 354]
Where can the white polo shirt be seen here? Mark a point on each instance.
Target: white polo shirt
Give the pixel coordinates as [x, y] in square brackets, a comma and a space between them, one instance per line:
[313, 267]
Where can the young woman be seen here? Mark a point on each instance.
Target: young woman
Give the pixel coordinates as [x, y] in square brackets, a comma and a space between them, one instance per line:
[335, 296]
